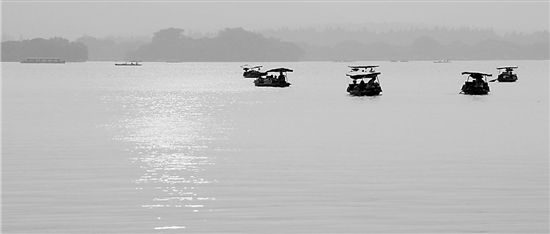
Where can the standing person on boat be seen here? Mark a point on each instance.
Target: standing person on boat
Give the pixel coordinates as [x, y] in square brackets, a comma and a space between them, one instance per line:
[478, 79]
[281, 77]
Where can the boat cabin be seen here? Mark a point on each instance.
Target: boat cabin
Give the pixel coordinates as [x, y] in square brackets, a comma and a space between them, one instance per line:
[476, 83]
[358, 75]
[276, 77]
[506, 74]
[252, 72]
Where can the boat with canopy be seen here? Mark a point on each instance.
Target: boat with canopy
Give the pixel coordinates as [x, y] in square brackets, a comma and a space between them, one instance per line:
[506, 74]
[271, 79]
[252, 72]
[132, 63]
[359, 74]
[476, 83]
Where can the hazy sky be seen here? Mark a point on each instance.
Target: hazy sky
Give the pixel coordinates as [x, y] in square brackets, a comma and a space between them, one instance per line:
[100, 18]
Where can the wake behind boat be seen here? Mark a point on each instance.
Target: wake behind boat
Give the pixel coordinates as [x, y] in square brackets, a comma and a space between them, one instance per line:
[371, 88]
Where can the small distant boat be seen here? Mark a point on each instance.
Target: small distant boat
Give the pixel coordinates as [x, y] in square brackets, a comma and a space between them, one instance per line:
[371, 88]
[506, 74]
[43, 60]
[442, 61]
[272, 80]
[252, 72]
[476, 83]
[132, 63]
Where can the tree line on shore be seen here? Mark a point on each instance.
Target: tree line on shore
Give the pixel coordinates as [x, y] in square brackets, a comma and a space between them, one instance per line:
[16, 51]
[239, 45]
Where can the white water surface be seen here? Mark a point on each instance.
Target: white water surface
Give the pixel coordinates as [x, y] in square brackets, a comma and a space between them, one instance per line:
[194, 147]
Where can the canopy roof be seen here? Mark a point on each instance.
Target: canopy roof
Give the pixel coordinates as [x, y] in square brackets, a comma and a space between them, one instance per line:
[476, 73]
[504, 67]
[361, 75]
[249, 67]
[280, 69]
[366, 66]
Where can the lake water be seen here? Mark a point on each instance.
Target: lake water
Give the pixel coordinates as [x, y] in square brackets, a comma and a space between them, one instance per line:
[194, 147]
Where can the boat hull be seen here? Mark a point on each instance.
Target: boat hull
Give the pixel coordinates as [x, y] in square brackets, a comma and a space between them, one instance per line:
[507, 78]
[471, 88]
[252, 74]
[44, 60]
[270, 83]
[355, 90]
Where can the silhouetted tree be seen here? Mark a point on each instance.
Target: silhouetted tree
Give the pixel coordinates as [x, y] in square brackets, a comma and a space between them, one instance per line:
[231, 44]
[169, 35]
[55, 47]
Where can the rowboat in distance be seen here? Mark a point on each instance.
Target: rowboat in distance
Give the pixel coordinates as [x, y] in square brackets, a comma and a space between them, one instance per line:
[360, 73]
[131, 63]
[270, 78]
[252, 72]
[476, 83]
[506, 74]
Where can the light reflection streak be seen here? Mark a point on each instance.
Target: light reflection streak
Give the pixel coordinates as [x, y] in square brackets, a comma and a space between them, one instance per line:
[170, 132]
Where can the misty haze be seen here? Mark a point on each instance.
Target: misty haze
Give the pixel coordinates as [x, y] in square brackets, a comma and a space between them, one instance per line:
[264, 31]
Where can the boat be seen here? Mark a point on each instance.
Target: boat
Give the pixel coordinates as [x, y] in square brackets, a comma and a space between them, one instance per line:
[371, 88]
[476, 83]
[252, 72]
[442, 61]
[506, 74]
[43, 60]
[270, 78]
[132, 63]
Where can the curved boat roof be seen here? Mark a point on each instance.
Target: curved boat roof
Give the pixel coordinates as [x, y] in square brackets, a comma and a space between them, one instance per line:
[361, 75]
[249, 67]
[280, 69]
[476, 73]
[362, 66]
[504, 67]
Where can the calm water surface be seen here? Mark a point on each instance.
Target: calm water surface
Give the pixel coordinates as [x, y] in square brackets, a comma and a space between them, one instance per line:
[194, 147]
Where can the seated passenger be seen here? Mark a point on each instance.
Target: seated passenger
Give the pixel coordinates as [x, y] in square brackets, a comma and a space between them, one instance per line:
[371, 83]
[362, 84]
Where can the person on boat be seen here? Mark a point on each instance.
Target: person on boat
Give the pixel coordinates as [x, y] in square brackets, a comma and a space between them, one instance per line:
[352, 85]
[362, 84]
[281, 77]
[478, 80]
[508, 71]
[371, 83]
